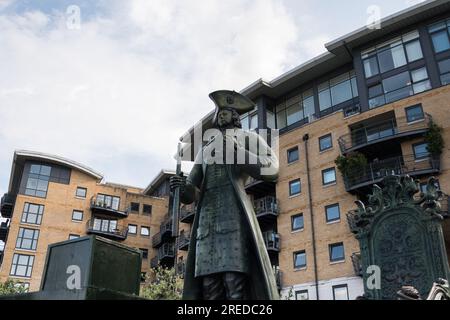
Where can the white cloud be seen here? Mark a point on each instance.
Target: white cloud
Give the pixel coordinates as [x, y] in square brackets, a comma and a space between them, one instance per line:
[126, 86]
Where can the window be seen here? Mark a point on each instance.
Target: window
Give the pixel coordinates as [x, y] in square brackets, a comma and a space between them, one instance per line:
[421, 151]
[145, 231]
[336, 252]
[325, 142]
[24, 285]
[293, 155]
[444, 69]
[132, 229]
[22, 265]
[392, 54]
[399, 86]
[107, 201]
[77, 215]
[105, 225]
[340, 292]
[423, 186]
[134, 207]
[38, 178]
[32, 213]
[295, 109]
[439, 33]
[301, 295]
[249, 121]
[144, 253]
[27, 239]
[328, 176]
[73, 236]
[337, 90]
[333, 213]
[299, 259]
[81, 192]
[294, 187]
[147, 209]
[414, 113]
[297, 222]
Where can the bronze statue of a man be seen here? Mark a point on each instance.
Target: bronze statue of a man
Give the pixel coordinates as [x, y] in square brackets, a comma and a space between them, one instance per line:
[227, 259]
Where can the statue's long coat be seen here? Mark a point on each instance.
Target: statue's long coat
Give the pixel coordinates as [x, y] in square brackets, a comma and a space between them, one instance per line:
[262, 279]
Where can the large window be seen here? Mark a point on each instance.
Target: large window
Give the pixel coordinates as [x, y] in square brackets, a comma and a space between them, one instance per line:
[332, 213]
[325, 142]
[421, 151]
[295, 109]
[297, 222]
[249, 120]
[337, 90]
[38, 178]
[329, 176]
[292, 155]
[32, 213]
[399, 86]
[337, 252]
[439, 33]
[145, 231]
[299, 259]
[444, 69]
[295, 187]
[77, 215]
[301, 295]
[108, 201]
[414, 113]
[27, 239]
[105, 225]
[392, 54]
[22, 265]
[340, 292]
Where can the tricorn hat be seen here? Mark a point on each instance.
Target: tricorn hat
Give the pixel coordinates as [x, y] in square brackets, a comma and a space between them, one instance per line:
[231, 99]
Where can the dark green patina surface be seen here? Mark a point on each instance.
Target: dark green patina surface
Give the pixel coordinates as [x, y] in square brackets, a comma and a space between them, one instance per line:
[402, 234]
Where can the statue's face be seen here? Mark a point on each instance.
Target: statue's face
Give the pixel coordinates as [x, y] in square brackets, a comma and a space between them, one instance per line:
[224, 118]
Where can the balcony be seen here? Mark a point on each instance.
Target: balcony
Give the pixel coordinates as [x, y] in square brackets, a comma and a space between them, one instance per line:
[266, 208]
[154, 262]
[272, 241]
[7, 205]
[111, 232]
[181, 269]
[259, 188]
[107, 208]
[445, 210]
[187, 214]
[278, 276]
[166, 255]
[356, 261]
[382, 131]
[156, 240]
[402, 165]
[183, 241]
[4, 227]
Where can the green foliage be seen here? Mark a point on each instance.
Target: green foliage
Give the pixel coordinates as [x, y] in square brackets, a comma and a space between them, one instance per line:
[434, 139]
[351, 163]
[10, 287]
[166, 285]
[290, 294]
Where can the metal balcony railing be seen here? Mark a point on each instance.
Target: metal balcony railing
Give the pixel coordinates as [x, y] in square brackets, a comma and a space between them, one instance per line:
[272, 241]
[167, 250]
[278, 277]
[156, 240]
[154, 262]
[266, 206]
[183, 241]
[356, 261]
[7, 205]
[445, 210]
[181, 269]
[112, 232]
[380, 131]
[98, 206]
[187, 214]
[401, 165]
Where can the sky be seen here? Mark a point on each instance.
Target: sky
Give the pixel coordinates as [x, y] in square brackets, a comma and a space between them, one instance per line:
[113, 84]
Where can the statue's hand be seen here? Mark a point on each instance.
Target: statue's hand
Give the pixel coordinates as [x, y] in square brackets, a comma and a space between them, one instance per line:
[177, 182]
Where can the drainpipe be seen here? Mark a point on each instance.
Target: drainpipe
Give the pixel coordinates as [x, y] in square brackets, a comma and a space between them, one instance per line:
[311, 216]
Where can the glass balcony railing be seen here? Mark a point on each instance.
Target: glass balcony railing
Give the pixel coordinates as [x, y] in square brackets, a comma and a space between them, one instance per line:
[107, 229]
[381, 131]
[100, 205]
[401, 165]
